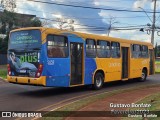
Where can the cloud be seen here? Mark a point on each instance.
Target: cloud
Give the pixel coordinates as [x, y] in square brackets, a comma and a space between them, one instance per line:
[83, 18]
[157, 5]
[131, 35]
[139, 3]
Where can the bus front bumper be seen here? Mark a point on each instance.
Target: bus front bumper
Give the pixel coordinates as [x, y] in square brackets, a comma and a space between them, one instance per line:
[27, 80]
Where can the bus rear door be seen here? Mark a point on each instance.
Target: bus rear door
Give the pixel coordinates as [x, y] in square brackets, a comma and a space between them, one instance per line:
[76, 56]
[125, 62]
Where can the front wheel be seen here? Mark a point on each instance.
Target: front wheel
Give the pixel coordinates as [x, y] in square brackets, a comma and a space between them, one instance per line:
[98, 81]
[143, 76]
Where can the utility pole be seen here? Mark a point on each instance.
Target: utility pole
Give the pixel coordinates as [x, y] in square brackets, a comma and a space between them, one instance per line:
[109, 29]
[111, 22]
[153, 24]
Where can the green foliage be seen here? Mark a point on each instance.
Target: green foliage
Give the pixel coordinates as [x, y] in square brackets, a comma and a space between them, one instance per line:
[8, 5]
[4, 45]
[10, 21]
[3, 74]
[155, 50]
[35, 22]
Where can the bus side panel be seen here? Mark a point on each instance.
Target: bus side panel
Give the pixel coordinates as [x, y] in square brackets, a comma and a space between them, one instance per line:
[111, 68]
[56, 70]
[90, 67]
[58, 74]
[135, 68]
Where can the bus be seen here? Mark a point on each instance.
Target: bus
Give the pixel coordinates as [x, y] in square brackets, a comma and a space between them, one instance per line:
[60, 58]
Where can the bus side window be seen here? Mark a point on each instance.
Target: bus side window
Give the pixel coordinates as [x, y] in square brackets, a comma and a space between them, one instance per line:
[103, 49]
[136, 51]
[115, 49]
[90, 48]
[57, 46]
[144, 51]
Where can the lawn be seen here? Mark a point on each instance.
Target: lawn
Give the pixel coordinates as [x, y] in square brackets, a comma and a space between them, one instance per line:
[157, 66]
[3, 71]
[154, 100]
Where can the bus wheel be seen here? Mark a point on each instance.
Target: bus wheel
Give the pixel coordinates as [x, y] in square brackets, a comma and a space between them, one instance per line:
[143, 76]
[98, 81]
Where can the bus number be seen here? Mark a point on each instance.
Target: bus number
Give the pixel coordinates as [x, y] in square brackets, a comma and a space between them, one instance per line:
[50, 62]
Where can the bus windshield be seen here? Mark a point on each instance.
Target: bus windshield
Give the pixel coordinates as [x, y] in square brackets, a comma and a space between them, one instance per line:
[25, 40]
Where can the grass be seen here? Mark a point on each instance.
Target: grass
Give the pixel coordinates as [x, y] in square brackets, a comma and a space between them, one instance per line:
[3, 71]
[157, 66]
[154, 100]
[75, 106]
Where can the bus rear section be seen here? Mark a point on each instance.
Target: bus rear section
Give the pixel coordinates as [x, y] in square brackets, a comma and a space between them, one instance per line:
[24, 51]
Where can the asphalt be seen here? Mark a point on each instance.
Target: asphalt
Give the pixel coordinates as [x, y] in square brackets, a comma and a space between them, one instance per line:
[14, 97]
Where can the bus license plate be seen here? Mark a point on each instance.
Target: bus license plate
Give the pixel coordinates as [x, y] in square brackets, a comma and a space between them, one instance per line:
[22, 71]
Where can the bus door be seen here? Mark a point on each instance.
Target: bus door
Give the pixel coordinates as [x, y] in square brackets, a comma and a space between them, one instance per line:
[151, 56]
[76, 56]
[125, 60]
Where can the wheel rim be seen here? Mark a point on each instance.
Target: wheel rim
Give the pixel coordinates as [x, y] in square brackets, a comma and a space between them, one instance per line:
[99, 81]
[143, 75]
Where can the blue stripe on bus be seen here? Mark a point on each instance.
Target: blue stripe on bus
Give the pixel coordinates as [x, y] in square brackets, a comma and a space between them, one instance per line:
[60, 81]
[90, 63]
[90, 67]
[58, 74]
[56, 70]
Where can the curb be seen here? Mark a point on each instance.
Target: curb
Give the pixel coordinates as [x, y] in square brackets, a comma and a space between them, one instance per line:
[5, 80]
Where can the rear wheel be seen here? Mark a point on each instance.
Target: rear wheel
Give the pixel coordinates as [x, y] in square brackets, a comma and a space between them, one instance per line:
[143, 76]
[98, 81]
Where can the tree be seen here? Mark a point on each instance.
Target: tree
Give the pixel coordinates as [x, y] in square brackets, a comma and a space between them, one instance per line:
[4, 44]
[35, 22]
[8, 20]
[8, 5]
[65, 24]
[112, 21]
[155, 50]
[158, 51]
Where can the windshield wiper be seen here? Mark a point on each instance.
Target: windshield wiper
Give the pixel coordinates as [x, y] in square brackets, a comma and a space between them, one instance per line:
[13, 50]
[36, 48]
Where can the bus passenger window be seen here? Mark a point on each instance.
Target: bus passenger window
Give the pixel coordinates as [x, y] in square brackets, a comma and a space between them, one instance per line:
[136, 51]
[90, 48]
[57, 46]
[115, 49]
[103, 49]
[144, 51]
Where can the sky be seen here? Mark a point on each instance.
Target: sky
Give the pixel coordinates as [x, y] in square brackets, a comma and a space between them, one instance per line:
[97, 21]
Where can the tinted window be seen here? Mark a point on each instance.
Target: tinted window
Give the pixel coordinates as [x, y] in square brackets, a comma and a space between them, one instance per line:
[136, 51]
[103, 49]
[115, 49]
[25, 39]
[144, 51]
[90, 48]
[57, 46]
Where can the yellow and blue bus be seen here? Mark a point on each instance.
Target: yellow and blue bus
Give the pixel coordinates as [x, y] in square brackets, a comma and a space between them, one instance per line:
[53, 57]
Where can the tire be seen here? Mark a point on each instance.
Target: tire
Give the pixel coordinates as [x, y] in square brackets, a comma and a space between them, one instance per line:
[143, 76]
[98, 81]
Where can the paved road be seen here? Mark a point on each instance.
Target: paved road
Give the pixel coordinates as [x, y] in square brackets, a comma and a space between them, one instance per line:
[15, 97]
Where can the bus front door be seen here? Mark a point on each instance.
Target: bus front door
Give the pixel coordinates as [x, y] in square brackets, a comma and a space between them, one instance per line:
[124, 62]
[76, 56]
[151, 53]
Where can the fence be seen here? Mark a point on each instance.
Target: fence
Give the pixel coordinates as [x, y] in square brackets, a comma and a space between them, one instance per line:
[3, 59]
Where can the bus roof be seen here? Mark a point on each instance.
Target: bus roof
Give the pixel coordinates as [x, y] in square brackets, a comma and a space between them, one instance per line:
[85, 35]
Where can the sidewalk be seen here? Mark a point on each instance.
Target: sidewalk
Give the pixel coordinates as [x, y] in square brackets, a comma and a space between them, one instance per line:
[123, 98]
